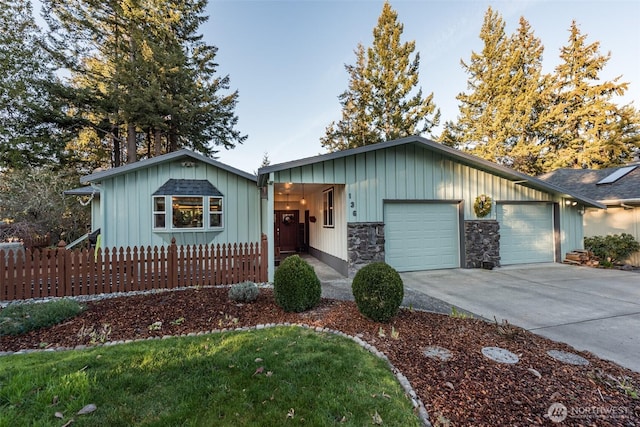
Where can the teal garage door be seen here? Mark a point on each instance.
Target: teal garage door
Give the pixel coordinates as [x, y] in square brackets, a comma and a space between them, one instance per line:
[421, 236]
[526, 233]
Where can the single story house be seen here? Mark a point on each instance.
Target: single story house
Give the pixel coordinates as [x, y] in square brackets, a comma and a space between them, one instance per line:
[181, 195]
[410, 202]
[618, 188]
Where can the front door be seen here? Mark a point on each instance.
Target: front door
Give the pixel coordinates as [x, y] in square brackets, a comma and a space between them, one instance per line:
[286, 226]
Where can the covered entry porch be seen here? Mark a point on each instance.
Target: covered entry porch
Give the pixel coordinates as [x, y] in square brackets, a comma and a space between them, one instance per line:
[309, 218]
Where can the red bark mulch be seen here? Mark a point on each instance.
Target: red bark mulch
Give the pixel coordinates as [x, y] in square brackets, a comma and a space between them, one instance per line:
[468, 390]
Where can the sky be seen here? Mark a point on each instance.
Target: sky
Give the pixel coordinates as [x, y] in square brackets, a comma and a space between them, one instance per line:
[286, 58]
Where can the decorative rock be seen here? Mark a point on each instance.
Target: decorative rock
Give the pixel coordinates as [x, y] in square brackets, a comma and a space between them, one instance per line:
[535, 373]
[439, 353]
[566, 357]
[500, 355]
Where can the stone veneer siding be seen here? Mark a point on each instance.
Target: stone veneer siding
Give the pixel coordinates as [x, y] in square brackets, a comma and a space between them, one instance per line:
[365, 244]
[482, 243]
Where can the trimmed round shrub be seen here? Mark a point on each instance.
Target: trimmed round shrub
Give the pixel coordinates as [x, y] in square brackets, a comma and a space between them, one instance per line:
[295, 285]
[244, 292]
[378, 291]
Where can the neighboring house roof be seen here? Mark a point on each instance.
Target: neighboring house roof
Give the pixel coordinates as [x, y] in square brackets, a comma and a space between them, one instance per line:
[610, 186]
[169, 157]
[187, 187]
[459, 156]
[85, 190]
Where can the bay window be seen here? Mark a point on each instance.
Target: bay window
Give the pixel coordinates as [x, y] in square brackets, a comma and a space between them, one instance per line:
[188, 205]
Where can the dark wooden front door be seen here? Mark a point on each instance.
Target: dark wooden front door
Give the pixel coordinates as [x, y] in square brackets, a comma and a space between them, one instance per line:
[286, 226]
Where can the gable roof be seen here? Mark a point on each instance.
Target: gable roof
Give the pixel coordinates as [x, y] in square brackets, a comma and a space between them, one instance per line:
[169, 157]
[457, 155]
[587, 182]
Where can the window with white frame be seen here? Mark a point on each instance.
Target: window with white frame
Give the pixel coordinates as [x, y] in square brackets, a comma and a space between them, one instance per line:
[188, 205]
[159, 212]
[215, 211]
[327, 208]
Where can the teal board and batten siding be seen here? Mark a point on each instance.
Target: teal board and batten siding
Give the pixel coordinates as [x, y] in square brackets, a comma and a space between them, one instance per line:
[126, 207]
[407, 172]
[415, 172]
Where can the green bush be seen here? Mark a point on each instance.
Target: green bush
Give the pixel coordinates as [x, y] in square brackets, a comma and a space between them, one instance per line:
[295, 285]
[378, 291]
[612, 249]
[17, 319]
[244, 292]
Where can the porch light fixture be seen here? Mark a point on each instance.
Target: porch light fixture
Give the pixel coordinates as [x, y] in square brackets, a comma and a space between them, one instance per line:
[303, 201]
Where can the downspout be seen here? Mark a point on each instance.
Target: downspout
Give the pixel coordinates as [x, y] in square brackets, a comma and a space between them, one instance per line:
[270, 228]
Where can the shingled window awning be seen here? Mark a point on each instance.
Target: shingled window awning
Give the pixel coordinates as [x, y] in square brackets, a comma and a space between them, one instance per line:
[187, 187]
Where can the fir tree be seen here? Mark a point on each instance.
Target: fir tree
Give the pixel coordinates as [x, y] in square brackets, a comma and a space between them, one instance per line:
[381, 102]
[478, 128]
[500, 118]
[586, 129]
[28, 137]
[149, 78]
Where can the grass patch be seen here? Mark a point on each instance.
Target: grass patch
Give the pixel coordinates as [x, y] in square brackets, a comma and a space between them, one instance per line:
[17, 319]
[275, 376]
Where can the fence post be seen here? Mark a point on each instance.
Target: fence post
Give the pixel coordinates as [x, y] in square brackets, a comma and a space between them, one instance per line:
[62, 258]
[264, 247]
[172, 268]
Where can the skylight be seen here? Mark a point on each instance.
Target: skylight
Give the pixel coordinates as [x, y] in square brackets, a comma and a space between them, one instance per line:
[610, 179]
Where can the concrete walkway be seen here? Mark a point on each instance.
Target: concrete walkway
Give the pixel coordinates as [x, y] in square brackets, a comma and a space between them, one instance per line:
[596, 310]
[590, 309]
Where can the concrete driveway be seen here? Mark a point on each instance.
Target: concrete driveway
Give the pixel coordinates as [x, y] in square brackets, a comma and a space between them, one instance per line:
[590, 309]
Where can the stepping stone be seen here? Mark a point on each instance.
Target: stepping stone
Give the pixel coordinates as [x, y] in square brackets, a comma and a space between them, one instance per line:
[566, 357]
[500, 355]
[439, 353]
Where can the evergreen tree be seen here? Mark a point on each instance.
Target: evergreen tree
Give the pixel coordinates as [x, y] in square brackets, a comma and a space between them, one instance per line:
[523, 106]
[381, 103]
[147, 76]
[27, 135]
[478, 127]
[586, 129]
[500, 118]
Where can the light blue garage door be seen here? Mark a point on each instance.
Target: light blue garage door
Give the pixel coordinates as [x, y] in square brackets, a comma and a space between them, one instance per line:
[421, 236]
[526, 233]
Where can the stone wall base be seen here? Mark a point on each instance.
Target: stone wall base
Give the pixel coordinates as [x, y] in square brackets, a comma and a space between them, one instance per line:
[482, 244]
[365, 244]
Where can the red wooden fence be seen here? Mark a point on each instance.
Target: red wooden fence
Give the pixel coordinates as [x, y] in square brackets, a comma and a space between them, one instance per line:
[60, 272]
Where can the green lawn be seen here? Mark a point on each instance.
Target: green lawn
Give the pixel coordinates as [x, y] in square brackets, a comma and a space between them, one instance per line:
[276, 376]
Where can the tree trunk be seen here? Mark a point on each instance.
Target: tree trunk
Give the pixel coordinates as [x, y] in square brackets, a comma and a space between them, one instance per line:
[157, 143]
[117, 157]
[132, 147]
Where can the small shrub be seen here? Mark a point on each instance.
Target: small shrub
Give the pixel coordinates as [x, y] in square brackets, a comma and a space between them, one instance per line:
[612, 249]
[378, 291]
[296, 286]
[18, 319]
[244, 292]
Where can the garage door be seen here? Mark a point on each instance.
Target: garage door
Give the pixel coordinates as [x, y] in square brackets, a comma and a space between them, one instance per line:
[421, 236]
[526, 233]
